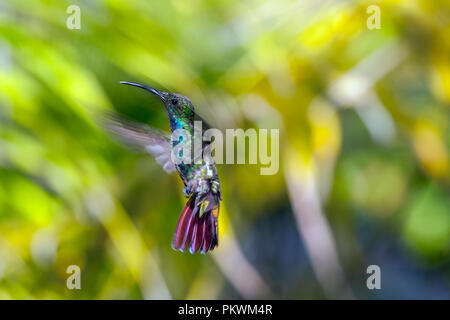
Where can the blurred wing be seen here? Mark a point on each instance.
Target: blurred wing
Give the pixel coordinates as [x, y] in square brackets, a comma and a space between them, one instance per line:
[153, 141]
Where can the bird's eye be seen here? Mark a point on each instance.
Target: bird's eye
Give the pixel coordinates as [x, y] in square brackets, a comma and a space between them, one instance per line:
[174, 102]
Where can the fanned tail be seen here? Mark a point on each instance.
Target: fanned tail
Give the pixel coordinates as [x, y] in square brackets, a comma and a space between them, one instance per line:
[197, 226]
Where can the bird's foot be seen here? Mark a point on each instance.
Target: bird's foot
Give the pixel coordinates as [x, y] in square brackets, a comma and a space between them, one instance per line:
[187, 191]
[199, 186]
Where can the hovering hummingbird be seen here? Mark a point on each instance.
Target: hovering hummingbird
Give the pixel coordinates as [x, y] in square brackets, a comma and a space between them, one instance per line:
[197, 227]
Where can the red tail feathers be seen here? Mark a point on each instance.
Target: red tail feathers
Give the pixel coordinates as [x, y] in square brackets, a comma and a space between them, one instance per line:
[197, 226]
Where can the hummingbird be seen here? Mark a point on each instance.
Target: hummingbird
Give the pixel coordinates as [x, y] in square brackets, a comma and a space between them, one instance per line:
[197, 228]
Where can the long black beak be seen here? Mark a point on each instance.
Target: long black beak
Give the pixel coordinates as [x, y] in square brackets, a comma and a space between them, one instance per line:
[158, 93]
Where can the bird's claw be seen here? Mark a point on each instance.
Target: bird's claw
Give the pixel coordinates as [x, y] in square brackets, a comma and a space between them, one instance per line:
[187, 191]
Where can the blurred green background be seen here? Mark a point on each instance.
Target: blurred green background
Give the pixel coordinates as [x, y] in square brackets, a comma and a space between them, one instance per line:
[364, 148]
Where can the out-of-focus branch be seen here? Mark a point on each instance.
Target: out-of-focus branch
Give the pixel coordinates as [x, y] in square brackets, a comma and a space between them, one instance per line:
[352, 86]
[355, 89]
[352, 89]
[313, 227]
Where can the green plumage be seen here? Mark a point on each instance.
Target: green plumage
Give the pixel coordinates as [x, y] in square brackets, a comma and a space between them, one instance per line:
[197, 227]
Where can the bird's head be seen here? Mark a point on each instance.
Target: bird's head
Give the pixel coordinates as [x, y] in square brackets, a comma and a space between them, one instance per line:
[179, 108]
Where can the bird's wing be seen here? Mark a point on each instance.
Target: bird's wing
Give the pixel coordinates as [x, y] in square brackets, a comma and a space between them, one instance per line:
[153, 141]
